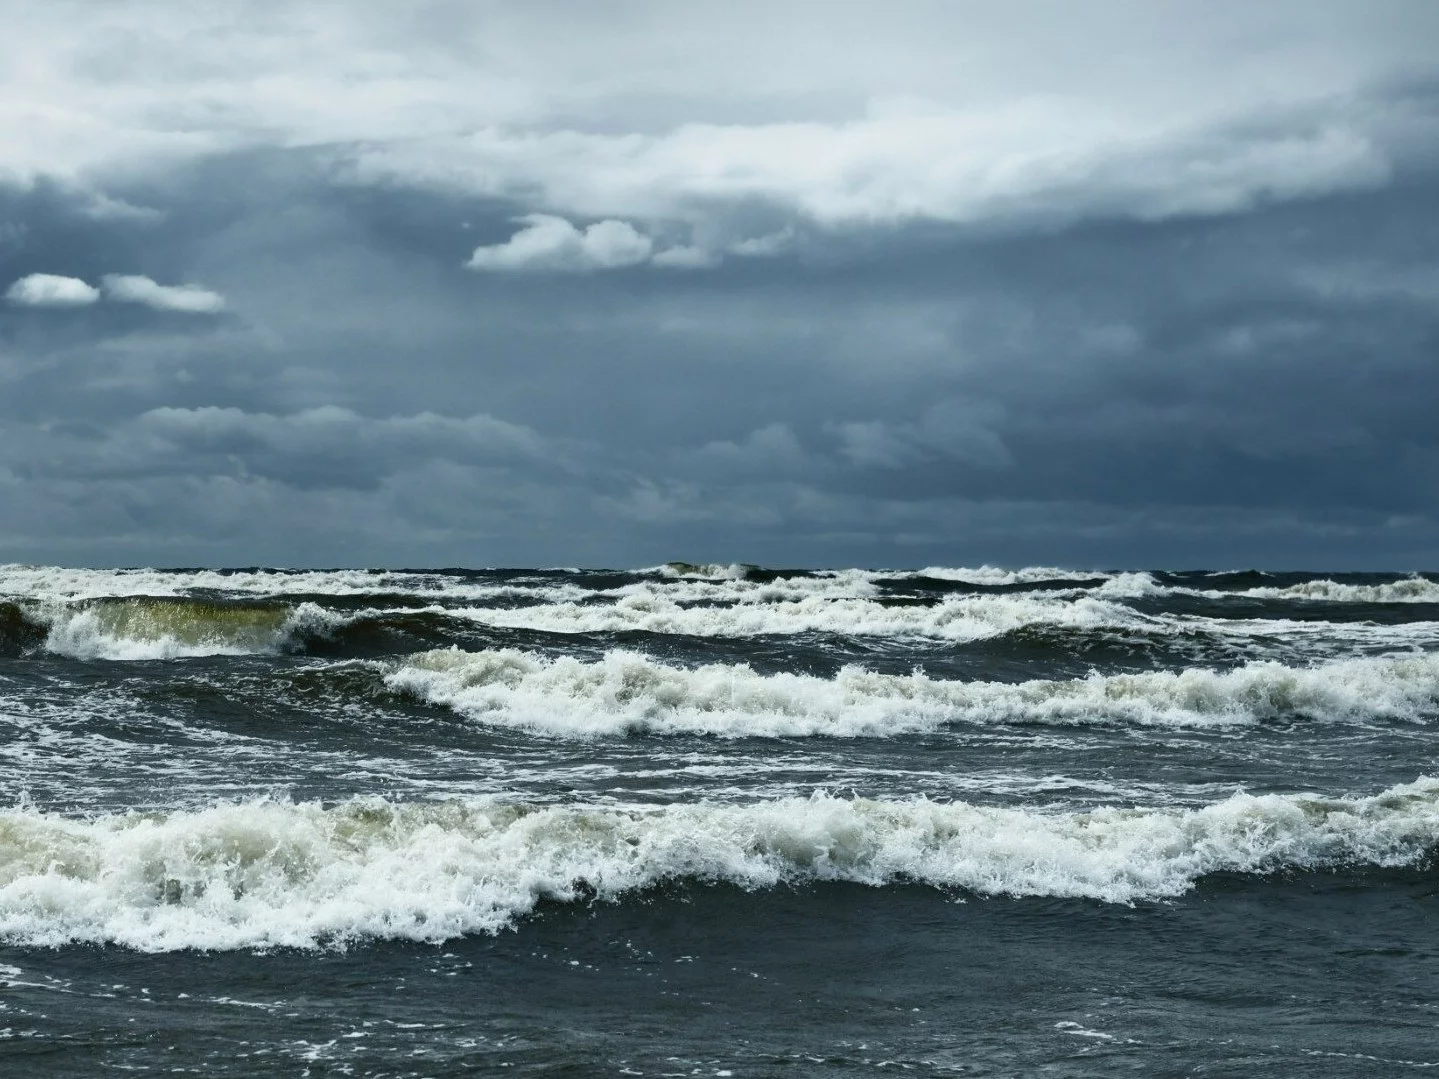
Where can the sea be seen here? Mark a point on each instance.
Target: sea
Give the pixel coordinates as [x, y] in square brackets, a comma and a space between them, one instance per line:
[718, 820]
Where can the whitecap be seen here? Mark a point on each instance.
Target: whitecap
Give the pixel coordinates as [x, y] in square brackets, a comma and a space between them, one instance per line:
[625, 693]
[265, 873]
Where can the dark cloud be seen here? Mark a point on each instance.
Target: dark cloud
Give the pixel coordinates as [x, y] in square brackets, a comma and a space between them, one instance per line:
[1213, 347]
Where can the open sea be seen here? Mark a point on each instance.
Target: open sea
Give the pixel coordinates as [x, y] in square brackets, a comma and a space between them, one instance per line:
[718, 821]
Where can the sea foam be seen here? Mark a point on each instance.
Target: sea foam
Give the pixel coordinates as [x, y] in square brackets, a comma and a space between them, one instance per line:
[265, 873]
[1414, 589]
[628, 693]
[59, 583]
[962, 618]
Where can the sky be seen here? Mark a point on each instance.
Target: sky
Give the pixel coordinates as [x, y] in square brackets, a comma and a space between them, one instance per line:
[1136, 283]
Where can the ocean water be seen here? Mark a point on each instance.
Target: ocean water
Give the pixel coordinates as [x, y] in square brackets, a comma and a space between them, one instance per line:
[718, 820]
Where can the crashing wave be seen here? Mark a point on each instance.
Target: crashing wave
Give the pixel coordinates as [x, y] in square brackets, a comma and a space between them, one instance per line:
[149, 627]
[713, 571]
[266, 873]
[628, 693]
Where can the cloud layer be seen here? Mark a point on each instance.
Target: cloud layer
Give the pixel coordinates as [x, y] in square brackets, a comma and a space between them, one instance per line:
[1121, 284]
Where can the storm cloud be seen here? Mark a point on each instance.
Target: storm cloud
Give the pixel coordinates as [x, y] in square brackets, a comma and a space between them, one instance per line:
[608, 284]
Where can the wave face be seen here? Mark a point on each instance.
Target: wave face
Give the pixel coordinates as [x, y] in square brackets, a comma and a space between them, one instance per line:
[141, 627]
[267, 874]
[628, 693]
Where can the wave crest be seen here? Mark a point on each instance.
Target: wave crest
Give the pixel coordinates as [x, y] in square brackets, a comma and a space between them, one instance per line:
[961, 618]
[266, 874]
[1414, 589]
[628, 693]
[148, 627]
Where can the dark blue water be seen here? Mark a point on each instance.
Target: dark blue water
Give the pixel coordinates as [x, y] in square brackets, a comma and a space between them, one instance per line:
[718, 820]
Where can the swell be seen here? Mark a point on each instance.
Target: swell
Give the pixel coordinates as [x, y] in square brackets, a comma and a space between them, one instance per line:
[165, 627]
[1107, 633]
[265, 873]
[627, 693]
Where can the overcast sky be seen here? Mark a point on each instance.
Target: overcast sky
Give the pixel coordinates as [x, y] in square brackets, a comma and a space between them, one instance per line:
[1124, 283]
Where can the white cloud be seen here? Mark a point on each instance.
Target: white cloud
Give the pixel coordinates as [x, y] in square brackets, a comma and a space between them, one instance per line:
[1040, 160]
[190, 299]
[51, 290]
[552, 243]
[960, 112]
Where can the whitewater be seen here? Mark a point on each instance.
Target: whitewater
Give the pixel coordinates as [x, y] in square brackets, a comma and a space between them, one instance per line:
[526, 810]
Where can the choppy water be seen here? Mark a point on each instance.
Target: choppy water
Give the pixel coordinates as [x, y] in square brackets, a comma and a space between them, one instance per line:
[718, 820]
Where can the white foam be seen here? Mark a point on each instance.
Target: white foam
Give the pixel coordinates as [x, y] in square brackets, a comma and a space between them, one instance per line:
[994, 575]
[52, 583]
[837, 584]
[265, 873]
[1414, 589]
[732, 571]
[626, 693]
[1130, 586]
[963, 618]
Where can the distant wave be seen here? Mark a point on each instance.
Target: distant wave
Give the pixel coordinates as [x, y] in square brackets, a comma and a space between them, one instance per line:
[732, 571]
[678, 581]
[994, 575]
[264, 874]
[160, 628]
[58, 583]
[962, 618]
[628, 693]
[1406, 590]
[149, 614]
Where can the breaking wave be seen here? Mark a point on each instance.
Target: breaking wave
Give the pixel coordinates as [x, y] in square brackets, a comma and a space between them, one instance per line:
[58, 583]
[994, 575]
[1407, 590]
[733, 571]
[962, 618]
[264, 874]
[147, 627]
[628, 693]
